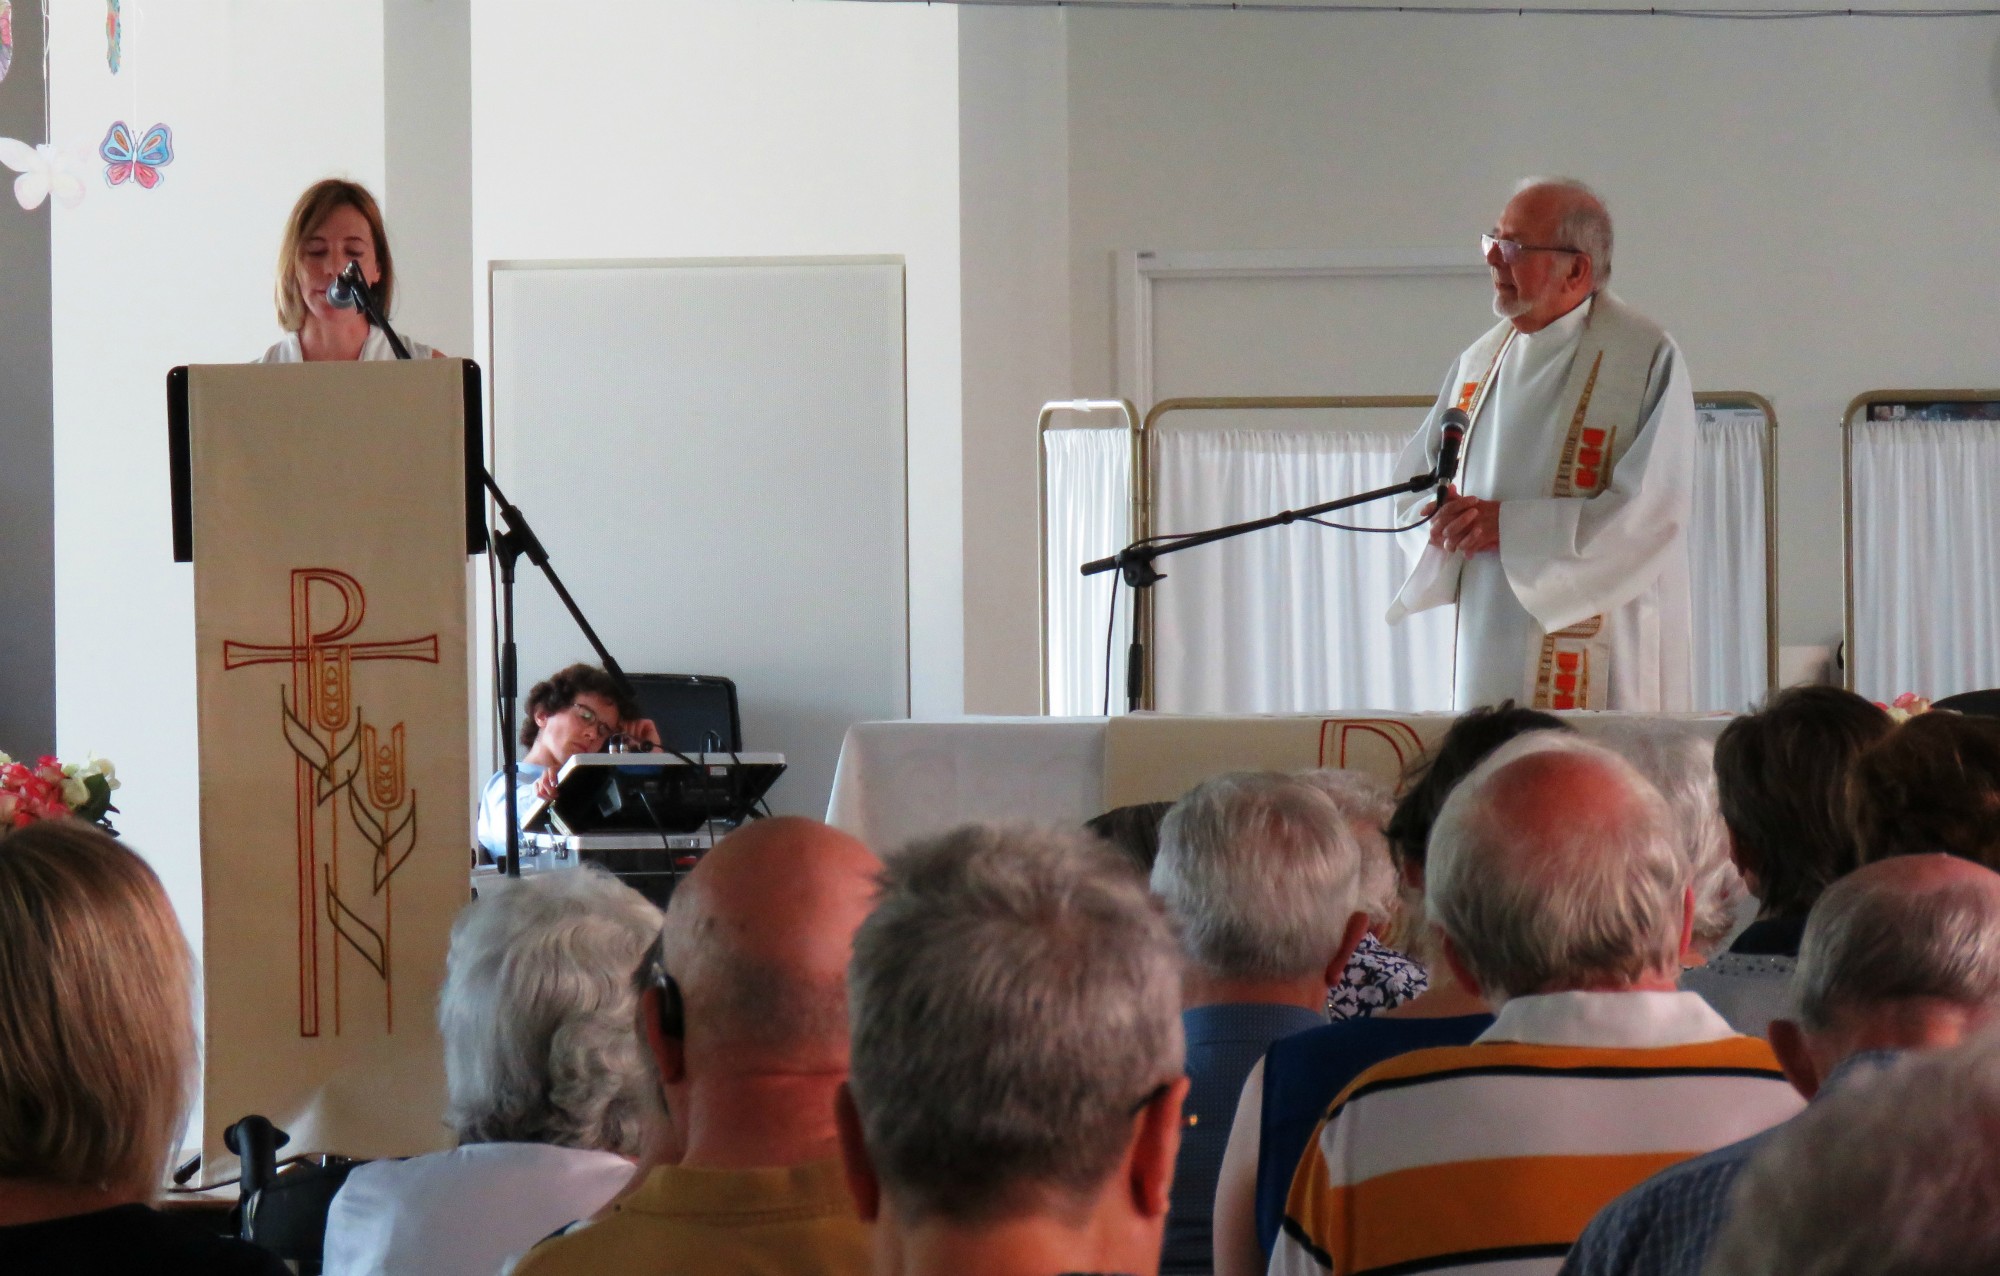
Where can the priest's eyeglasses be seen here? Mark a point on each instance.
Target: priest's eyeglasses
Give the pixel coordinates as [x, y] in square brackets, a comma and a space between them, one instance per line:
[1511, 249]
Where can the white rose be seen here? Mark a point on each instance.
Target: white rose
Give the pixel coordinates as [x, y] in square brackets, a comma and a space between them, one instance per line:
[74, 791]
[95, 765]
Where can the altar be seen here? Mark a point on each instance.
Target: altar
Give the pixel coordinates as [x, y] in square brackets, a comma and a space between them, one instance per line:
[900, 780]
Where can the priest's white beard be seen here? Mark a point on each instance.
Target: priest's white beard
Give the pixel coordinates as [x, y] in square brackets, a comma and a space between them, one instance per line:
[1512, 309]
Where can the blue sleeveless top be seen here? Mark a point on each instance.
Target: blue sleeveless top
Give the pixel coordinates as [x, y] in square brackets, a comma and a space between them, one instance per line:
[1304, 1073]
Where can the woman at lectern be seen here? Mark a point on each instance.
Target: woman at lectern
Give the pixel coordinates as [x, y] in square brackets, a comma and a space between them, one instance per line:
[335, 222]
[578, 710]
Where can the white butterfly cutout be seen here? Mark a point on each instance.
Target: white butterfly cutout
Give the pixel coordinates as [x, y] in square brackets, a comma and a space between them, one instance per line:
[43, 170]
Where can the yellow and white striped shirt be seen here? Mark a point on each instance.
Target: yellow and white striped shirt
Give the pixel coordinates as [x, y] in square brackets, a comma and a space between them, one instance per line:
[1492, 1157]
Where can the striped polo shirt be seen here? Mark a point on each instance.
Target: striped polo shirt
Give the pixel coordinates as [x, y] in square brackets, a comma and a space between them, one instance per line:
[1492, 1157]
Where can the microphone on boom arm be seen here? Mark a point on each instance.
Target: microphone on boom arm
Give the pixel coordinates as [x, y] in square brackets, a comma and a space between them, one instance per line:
[344, 293]
[1455, 426]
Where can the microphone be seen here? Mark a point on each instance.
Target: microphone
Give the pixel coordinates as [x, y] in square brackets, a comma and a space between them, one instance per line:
[1455, 425]
[344, 293]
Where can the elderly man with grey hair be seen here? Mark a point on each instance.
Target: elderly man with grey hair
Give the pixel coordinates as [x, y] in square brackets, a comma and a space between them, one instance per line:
[1563, 542]
[1262, 876]
[1896, 1174]
[1015, 1096]
[1560, 894]
[548, 1090]
[1899, 956]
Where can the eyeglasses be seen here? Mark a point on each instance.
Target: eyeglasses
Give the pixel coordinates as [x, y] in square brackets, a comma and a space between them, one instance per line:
[673, 1011]
[1511, 249]
[589, 719]
[1152, 1096]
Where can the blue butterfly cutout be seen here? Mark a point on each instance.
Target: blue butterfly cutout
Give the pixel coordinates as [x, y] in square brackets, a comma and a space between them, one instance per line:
[141, 163]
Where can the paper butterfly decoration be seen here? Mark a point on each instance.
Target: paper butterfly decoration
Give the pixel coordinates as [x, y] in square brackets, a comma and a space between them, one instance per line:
[6, 37]
[43, 169]
[114, 36]
[125, 161]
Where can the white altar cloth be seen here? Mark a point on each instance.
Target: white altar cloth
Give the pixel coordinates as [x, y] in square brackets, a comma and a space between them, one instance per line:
[905, 779]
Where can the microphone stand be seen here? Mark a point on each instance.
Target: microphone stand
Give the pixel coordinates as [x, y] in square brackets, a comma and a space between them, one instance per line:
[508, 547]
[1135, 561]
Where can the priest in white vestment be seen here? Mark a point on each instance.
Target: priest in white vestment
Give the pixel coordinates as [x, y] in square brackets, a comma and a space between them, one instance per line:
[1564, 542]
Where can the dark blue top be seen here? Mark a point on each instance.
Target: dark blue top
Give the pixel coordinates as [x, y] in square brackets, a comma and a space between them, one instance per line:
[126, 1239]
[1303, 1074]
[1223, 1044]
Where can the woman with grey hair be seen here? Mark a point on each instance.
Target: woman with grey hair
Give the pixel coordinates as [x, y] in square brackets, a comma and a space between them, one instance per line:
[1680, 764]
[549, 1088]
[1380, 975]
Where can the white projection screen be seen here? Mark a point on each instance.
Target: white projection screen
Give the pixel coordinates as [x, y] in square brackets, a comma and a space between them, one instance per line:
[713, 453]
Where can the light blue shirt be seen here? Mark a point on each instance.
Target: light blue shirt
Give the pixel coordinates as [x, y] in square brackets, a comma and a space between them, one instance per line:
[492, 832]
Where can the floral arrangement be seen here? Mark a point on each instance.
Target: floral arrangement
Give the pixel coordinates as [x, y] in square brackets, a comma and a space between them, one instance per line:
[52, 789]
[1904, 707]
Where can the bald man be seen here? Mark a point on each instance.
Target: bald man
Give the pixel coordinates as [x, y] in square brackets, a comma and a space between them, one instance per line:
[1898, 956]
[1564, 542]
[744, 1010]
[1559, 894]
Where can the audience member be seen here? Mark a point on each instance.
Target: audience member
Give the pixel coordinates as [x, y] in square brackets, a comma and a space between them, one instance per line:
[1894, 1174]
[1378, 976]
[1134, 830]
[1261, 876]
[1782, 776]
[1288, 1091]
[547, 1087]
[745, 1014]
[97, 1058]
[1681, 765]
[1561, 895]
[1932, 784]
[1016, 1094]
[1900, 955]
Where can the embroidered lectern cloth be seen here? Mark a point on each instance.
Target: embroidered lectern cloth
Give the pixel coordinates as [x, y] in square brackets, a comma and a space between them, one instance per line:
[330, 619]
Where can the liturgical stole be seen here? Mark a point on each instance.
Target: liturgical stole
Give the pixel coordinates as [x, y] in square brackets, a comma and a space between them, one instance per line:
[1571, 668]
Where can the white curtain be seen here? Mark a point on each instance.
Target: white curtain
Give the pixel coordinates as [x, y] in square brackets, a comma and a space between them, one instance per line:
[1089, 478]
[1726, 554]
[1288, 619]
[1926, 566]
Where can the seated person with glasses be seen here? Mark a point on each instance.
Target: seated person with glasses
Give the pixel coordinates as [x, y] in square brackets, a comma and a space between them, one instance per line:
[578, 710]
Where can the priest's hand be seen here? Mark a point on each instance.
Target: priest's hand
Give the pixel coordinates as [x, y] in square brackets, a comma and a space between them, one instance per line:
[1466, 525]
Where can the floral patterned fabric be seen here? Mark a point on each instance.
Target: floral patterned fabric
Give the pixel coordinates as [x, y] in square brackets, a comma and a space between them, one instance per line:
[1377, 978]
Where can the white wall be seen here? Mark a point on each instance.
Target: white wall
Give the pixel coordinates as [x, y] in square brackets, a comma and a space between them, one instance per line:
[263, 100]
[1014, 164]
[427, 158]
[752, 128]
[1808, 207]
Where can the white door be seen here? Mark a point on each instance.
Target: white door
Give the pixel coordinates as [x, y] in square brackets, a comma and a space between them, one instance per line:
[713, 454]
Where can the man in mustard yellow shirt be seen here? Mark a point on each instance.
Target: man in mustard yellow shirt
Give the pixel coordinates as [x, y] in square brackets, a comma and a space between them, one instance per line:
[745, 1011]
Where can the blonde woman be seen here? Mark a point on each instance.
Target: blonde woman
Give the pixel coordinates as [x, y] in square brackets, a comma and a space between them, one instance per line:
[97, 1056]
[333, 223]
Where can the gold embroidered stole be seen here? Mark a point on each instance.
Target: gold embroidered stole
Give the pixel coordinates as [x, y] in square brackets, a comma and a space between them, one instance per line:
[1571, 668]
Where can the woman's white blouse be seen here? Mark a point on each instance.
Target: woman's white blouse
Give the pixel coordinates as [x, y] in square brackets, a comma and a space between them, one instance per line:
[376, 347]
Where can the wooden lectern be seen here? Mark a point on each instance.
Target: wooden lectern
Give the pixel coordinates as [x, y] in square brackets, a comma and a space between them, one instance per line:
[329, 510]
